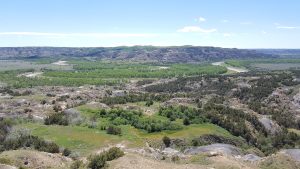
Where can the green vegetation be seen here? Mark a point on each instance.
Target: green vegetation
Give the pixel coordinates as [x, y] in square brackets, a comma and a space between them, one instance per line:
[196, 108]
[134, 97]
[295, 131]
[235, 121]
[115, 130]
[84, 140]
[99, 161]
[250, 63]
[167, 141]
[136, 119]
[56, 118]
[133, 70]
[103, 73]
[12, 78]
[189, 115]
[12, 139]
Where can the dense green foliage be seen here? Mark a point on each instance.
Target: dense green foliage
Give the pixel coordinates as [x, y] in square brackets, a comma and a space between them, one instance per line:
[202, 85]
[13, 79]
[102, 73]
[126, 70]
[235, 121]
[135, 97]
[136, 119]
[190, 115]
[264, 86]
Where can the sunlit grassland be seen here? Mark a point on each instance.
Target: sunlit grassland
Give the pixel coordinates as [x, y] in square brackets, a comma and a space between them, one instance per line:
[133, 70]
[104, 73]
[295, 131]
[86, 140]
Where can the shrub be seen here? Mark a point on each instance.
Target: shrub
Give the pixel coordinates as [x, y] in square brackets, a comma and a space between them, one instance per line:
[76, 164]
[99, 161]
[52, 148]
[66, 152]
[186, 122]
[113, 130]
[167, 141]
[114, 153]
[175, 158]
[56, 118]
[149, 103]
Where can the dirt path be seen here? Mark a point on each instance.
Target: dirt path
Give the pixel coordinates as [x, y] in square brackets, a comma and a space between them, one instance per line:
[235, 69]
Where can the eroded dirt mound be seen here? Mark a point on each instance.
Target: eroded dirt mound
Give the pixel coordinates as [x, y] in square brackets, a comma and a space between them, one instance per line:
[134, 161]
[36, 159]
[224, 149]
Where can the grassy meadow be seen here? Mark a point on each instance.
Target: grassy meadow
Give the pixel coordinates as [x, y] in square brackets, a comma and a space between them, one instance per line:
[85, 140]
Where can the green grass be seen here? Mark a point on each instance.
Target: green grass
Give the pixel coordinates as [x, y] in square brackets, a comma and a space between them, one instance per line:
[86, 140]
[77, 138]
[295, 131]
[249, 63]
[134, 70]
[104, 73]
[191, 131]
[200, 159]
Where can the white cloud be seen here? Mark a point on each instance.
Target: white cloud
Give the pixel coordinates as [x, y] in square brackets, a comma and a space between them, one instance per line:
[49, 34]
[246, 23]
[201, 19]
[276, 23]
[263, 32]
[287, 27]
[225, 21]
[227, 34]
[187, 29]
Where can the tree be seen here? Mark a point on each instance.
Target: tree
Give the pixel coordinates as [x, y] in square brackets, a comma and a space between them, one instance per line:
[149, 103]
[167, 141]
[186, 122]
[113, 130]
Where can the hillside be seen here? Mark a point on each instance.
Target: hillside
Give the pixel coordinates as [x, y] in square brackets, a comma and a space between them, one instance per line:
[284, 53]
[136, 53]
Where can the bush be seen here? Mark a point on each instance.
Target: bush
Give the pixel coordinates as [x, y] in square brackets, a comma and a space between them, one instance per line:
[66, 152]
[114, 153]
[113, 130]
[175, 158]
[56, 118]
[99, 161]
[76, 164]
[149, 103]
[51, 148]
[167, 141]
[186, 122]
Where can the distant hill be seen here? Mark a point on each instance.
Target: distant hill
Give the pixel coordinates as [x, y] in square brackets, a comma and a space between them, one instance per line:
[136, 53]
[283, 53]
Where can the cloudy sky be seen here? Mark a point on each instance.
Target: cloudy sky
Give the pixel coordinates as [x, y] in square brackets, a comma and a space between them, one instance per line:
[93, 23]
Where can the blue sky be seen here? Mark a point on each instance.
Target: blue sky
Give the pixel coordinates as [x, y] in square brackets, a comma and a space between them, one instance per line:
[83, 23]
